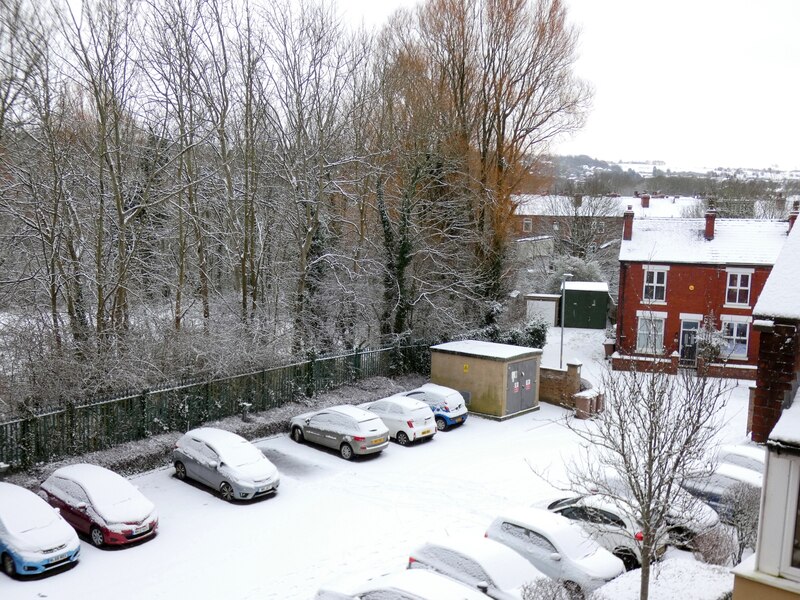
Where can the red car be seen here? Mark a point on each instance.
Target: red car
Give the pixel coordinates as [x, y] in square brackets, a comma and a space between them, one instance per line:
[101, 504]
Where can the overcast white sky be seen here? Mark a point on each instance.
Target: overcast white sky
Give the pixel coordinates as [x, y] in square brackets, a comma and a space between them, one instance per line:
[696, 83]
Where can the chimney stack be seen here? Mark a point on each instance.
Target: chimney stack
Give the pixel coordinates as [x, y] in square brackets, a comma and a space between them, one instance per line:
[627, 223]
[645, 200]
[793, 214]
[711, 217]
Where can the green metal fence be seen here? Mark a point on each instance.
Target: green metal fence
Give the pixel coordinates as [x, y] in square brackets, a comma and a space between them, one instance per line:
[76, 429]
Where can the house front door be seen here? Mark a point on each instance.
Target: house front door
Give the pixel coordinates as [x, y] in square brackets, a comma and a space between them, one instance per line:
[688, 349]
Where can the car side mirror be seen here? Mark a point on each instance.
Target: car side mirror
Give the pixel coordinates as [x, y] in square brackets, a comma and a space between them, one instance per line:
[483, 587]
[555, 556]
[213, 464]
[81, 506]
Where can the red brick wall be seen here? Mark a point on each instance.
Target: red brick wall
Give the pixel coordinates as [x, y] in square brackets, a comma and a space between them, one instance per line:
[778, 365]
[698, 289]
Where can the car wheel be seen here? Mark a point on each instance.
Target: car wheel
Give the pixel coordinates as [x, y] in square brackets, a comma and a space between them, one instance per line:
[628, 558]
[441, 424]
[297, 435]
[346, 452]
[402, 438]
[180, 470]
[226, 491]
[8, 565]
[574, 591]
[96, 536]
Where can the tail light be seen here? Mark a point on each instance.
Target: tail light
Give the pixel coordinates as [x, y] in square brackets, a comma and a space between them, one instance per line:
[639, 536]
[411, 561]
[359, 439]
[446, 408]
[410, 424]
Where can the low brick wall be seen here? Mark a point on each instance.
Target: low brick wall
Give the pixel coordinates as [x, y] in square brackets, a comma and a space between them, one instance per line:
[563, 388]
[644, 363]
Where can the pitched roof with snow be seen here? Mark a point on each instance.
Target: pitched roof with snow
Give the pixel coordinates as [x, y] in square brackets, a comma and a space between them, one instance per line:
[563, 206]
[780, 297]
[736, 242]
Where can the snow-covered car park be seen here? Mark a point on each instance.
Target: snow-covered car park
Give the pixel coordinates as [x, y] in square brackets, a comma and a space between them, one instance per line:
[334, 519]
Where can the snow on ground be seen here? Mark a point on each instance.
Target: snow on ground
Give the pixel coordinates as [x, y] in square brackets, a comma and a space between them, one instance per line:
[332, 518]
[673, 577]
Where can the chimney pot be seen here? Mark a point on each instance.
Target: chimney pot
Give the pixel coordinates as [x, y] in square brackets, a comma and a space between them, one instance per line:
[645, 200]
[627, 223]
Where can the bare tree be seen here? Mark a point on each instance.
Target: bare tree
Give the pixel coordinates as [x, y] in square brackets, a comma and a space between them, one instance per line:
[654, 432]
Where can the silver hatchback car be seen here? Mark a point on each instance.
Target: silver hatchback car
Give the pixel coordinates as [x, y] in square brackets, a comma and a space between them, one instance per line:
[226, 462]
[348, 429]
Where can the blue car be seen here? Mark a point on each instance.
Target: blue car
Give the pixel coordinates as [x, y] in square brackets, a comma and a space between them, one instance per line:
[34, 537]
[447, 404]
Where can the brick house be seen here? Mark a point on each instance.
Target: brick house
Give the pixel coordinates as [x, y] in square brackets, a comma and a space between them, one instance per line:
[773, 571]
[676, 273]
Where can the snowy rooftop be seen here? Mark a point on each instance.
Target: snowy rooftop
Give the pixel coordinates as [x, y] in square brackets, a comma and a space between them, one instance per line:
[787, 429]
[486, 349]
[781, 294]
[562, 206]
[736, 241]
[587, 286]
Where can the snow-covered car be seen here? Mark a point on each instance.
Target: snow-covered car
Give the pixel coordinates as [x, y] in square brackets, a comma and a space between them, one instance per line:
[557, 547]
[34, 538]
[687, 516]
[749, 457]
[720, 487]
[225, 462]
[407, 419]
[609, 525]
[101, 504]
[478, 562]
[411, 584]
[447, 404]
[349, 429]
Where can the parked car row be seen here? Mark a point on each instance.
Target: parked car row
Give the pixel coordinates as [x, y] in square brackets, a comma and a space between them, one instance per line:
[518, 548]
[39, 533]
[408, 417]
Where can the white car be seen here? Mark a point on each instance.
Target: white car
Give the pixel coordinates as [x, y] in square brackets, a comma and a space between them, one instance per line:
[749, 457]
[103, 505]
[408, 420]
[478, 562]
[225, 462]
[557, 547]
[34, 538]
[447, 404]
[609, 525]
[411, 584]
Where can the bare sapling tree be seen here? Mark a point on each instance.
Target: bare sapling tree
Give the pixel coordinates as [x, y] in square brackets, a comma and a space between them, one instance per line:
[744, 502]
[655, 431]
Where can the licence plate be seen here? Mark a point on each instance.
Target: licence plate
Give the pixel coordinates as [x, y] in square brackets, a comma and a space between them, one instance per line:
[425, 432]
[141, 529]
[264, 489]
[60, 557]
[378, 441]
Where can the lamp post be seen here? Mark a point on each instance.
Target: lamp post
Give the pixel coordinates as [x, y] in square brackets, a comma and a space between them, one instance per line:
[564, 278]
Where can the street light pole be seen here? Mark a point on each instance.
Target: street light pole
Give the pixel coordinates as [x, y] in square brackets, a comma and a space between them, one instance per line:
[564, 278]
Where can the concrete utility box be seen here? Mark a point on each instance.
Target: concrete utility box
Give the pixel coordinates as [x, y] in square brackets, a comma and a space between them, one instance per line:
[496, 379]
[585, 304]
[543, 305]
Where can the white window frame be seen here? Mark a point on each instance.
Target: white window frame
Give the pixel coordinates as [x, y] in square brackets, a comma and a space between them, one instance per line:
[655, 270]
[592, 248]
[736, 321]
[793, 494]
[601, 226]
[738, 288]
[527, 225]
[645, 316]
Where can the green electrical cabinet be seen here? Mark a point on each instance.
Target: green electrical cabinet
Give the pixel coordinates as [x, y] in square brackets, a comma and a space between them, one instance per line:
[585, 304]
